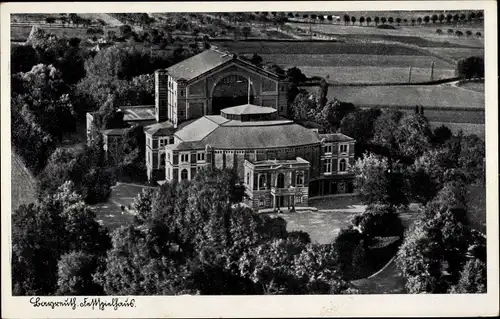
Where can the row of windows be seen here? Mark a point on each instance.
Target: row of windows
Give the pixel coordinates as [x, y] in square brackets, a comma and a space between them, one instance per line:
[280, 180]
[298, 200]
[329, 147]
[327, 165]
[200, 157]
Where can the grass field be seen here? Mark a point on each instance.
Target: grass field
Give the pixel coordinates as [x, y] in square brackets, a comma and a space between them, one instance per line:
[375, 74]
[466, 128]
[20, 33]
[278, 47]
[23, 183]
[407, 95]
[425, 32]
[457, 53]
[473, 86]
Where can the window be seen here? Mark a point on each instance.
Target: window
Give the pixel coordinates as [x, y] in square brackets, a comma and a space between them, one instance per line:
[162, 160]
[201, 157]
[298, 199]
[343, 148]
[280, 181]
[184, 158]
[182, 92]
[162, 142]
[300, 179]
[184, 174]
[327, 166]
[168, 156]
[248, 178]
[262, 181]
[328, 148]
[342, 165]
[171, 141]
[261, 202]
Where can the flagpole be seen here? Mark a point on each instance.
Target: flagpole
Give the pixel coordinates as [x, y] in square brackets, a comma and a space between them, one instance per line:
[249, 90]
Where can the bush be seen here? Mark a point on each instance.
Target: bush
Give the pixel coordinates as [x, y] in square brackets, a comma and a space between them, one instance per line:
[471, 67]
[439, 31]
[386, 26]
[379, 221]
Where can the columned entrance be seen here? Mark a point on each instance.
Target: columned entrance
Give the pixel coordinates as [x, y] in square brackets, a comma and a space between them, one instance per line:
[231, 90]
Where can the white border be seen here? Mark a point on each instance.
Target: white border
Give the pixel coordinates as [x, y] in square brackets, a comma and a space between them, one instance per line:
[269, 306]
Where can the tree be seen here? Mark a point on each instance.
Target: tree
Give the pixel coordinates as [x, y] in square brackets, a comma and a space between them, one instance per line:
[450, 31]
[390, 20]
[350, 248]
[359, 125]
[478, 34]
[44, 231]
[405, 21]
[427, 19]
[456, 17]
[353, 19]
[419, 20]
[459, 33]
[346, 19]
[472, 278]
[295, 75]
[361, 20]
[383, 20]
[398, 20]
[323, 94]
[330, 18]
[413, 21]
[368, 20]
[125, 31]
[463, 17]
[379, 220]
[442, 134]
[434, 18]
[439, 31]
[468, 33]
[50, 20]
[449, 17]
[434, 250]
[471, 67]
[413, 135]
[246, 32]
[376, 20]
[75, 274]
[377, 183]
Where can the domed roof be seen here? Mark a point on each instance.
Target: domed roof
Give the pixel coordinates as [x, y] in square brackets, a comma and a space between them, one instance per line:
[249, 112]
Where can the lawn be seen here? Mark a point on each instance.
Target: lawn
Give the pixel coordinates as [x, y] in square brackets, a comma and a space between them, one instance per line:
[473, 86]
[23, 183]
[334, 213]
[110, 214]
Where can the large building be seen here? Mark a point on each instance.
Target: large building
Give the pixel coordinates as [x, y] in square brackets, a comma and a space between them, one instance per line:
[215, 109]
[280, 162]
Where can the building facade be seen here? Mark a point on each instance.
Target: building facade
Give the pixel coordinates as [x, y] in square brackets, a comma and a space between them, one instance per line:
[280, 162]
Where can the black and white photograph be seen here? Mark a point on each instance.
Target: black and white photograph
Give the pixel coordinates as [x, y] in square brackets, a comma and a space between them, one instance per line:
[292, 149]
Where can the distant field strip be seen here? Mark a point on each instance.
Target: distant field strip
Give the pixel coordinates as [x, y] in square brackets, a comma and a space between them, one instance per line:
[411, 95]
[280, 47]
[23, 183]
[333, 60]
[375, 74]
[457, 53]
[466, 128]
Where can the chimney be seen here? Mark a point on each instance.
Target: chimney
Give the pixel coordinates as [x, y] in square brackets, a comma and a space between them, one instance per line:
[161, 95]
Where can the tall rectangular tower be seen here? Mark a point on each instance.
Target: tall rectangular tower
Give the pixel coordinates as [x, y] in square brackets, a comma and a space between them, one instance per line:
[161, 95]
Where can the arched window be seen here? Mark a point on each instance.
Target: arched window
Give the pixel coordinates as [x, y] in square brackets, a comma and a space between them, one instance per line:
[184, 174]
[262, 181]
[280, 182]
[342, 165]
[300, 179]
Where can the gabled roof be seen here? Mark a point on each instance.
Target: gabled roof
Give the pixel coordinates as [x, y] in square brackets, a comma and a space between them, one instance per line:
[204, 62]
[160, 129]
[336, 137]
[198, 64]
[138, 113]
